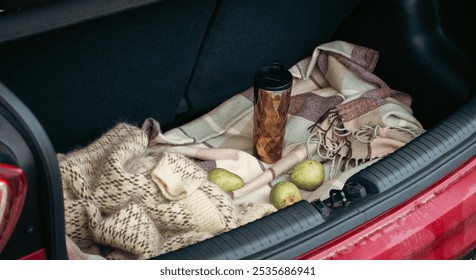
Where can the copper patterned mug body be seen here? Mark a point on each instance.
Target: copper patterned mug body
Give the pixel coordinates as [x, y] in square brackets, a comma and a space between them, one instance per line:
[272, 94]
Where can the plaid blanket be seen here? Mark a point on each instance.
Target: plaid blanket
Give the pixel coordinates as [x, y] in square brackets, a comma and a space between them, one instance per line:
[340, 114]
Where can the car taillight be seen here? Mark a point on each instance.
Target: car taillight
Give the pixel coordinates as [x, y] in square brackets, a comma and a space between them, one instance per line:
[13, 187]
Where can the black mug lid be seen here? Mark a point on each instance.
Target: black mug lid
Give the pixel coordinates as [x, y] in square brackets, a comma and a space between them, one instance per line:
[273, 78]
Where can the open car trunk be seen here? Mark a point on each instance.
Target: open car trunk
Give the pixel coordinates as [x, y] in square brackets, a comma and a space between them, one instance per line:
[80, 67]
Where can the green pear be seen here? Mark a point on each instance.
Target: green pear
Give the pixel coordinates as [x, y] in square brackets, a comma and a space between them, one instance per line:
[283, 194]
[225, 179]
[308, 174]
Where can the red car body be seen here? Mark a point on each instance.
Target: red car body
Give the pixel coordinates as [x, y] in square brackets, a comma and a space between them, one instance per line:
[439, 223]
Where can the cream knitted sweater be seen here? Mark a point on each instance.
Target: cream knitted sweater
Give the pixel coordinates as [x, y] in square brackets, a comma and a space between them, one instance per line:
[130, 202]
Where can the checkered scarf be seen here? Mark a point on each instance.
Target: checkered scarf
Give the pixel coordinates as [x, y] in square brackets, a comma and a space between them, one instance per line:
[340, 114]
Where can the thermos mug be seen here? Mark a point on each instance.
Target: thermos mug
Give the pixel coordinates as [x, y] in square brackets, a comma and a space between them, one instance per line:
[272, 94]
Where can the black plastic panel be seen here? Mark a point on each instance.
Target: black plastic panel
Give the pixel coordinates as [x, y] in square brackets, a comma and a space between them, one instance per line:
[28, 235]
[55, 14]
[425, 50]
[247, 35]
[41, 224]
[269, 234]
[15, 4]
[81, 80]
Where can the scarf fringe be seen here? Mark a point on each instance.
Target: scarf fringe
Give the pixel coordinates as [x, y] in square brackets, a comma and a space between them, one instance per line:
[330, 141]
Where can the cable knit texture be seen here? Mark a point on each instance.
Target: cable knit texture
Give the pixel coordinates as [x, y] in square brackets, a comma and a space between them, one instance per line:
[129, 203]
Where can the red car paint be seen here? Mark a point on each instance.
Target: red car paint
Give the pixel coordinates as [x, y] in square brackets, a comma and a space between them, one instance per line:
[439, 223]
[38, 255]
[12, 198]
